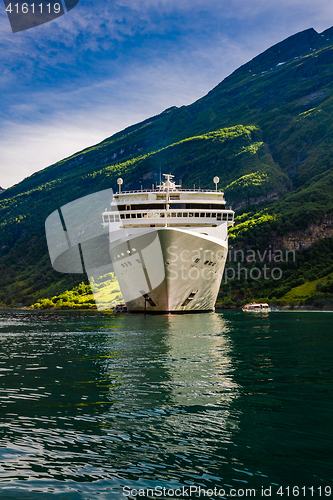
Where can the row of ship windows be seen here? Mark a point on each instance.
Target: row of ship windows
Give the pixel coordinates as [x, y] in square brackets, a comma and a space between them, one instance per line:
[151, 215]
[173, 206]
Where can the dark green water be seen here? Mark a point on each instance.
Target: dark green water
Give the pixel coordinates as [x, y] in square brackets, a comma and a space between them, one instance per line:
[92, 404]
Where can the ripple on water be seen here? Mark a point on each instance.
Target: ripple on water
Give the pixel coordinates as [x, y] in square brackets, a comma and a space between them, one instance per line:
[92, 403]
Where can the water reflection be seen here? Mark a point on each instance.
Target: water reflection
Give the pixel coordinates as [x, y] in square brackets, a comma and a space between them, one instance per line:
[88, 398]
[199, 363]
[91, 403]
[176, 417]
[186, 358]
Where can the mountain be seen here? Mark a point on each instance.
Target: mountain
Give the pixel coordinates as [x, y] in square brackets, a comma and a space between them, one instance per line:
[267, 132]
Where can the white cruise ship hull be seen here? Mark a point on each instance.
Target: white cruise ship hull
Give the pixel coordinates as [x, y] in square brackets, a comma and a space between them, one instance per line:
[170, 269]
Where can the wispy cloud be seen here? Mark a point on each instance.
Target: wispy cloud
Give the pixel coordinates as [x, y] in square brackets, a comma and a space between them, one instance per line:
[56, 124]
[106, 65]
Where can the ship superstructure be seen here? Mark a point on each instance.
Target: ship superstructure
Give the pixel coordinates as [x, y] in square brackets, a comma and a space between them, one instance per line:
[168, 246]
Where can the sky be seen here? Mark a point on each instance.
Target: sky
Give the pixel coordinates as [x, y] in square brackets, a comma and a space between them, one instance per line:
[107, 64]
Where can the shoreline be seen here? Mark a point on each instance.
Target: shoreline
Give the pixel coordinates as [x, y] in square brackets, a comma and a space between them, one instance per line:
[284, 308]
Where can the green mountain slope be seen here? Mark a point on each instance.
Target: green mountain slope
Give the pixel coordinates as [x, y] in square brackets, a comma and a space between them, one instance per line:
[266, 131]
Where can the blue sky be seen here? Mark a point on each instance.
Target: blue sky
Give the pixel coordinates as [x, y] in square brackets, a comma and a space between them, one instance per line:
[104, 65]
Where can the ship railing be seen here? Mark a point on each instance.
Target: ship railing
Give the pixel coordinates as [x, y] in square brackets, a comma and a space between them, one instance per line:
[192, 215]
[171, 191]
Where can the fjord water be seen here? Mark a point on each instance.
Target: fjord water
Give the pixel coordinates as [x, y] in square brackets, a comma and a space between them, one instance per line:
[92, 403]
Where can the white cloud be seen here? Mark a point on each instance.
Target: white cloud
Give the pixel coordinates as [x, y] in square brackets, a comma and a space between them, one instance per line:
[47, 126]
[85, 116]
[184, 49]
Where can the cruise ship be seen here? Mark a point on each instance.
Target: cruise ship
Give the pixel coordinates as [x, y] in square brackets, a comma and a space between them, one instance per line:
[168, 246]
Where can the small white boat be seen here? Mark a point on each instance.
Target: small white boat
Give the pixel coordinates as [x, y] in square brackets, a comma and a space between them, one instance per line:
[254, 307]
[119, 308]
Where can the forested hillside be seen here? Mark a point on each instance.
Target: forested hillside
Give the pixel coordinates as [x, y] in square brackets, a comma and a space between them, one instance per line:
[266, 131]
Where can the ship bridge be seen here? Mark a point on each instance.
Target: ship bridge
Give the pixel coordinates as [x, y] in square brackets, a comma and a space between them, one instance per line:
[168, 205]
